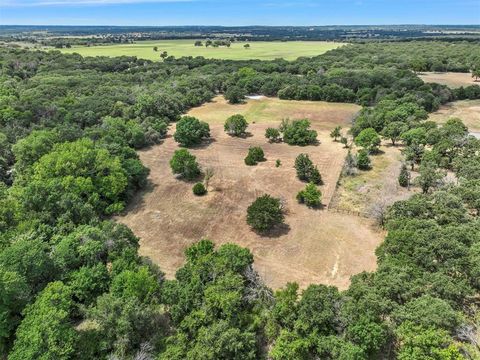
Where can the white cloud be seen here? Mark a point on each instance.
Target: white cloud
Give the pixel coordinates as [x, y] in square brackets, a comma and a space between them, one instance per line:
[32, 3]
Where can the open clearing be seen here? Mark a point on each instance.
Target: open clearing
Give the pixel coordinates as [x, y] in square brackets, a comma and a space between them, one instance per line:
[323, 115]
[467, 110]
[263, 50]
[318, 246]
[374, 188]
[451, 79]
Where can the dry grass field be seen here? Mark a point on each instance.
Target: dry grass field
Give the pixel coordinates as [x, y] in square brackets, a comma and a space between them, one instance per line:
[316, 246]
[375, 187]
[451, 79]
[467, 110]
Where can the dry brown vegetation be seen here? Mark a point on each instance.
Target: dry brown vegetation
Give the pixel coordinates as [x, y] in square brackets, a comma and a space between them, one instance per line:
[467, 110]
[375, 187]
[316, 246]
[451, 79]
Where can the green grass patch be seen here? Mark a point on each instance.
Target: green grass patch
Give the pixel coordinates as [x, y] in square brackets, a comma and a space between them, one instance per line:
[263, 50]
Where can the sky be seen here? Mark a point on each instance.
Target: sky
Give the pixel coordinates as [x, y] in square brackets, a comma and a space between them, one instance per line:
[238, 12]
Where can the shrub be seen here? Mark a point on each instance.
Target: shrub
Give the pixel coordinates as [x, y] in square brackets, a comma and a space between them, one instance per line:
[278, 163]
[272, 134]
[250, 161]
[199, 189]
[264, 213]
[368, 139]
[306, 171]
[363, 161]
[298, 133]
[404, 177]
[191, 131]
[236, 125]
[185, 164]
[255, 155]
[310, 196]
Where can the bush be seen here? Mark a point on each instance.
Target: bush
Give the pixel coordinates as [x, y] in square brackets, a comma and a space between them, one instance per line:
[191, 131]
[272, 134]
[404, 177]
[199, 189]
[368, 139]
[255, 155]
[298, 133]
[264, 213]
[185, 164]
[310, 196]
[278, 163]
[236, 125]
[306, 171]
[363, 161]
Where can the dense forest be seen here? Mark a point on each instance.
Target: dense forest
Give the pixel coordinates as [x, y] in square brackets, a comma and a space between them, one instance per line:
[73, 286]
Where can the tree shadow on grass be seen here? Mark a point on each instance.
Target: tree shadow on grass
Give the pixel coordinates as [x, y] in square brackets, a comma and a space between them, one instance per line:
[205, 143]
[277, 231]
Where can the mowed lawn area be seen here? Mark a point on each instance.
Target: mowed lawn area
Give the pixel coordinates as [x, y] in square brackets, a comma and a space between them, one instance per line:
[263, 50]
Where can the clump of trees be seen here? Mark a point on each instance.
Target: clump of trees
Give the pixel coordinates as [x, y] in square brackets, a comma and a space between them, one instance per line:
[298, 132]
[191, 131]
[235, 94]
[368, 139]
[254, 156]
[310, 196]
[185, 164]
[306, 171]
[236, 125]
[265, 213]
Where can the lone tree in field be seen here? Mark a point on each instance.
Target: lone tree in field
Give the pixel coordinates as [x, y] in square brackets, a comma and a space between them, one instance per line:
[246, 46]
[255, 155]
[306, 171]
[298, 133]
[198, 43]
[185, 164]
[394, 130]
[363, 161]
[368, 139]
[344, 141]
[236, 125]
[164, 55]
[272, 134]
[155, 48]
[336, 133]
[404, 176]
[191, 131]
[310, 196]
[265, 213]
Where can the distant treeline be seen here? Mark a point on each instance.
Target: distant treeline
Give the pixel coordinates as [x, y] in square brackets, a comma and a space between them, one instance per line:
[124, 34]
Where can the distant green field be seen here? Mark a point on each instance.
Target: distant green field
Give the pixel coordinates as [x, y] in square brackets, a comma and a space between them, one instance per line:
[263, 50]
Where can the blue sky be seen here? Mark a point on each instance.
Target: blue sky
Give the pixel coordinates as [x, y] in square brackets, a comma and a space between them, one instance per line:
[238, 12]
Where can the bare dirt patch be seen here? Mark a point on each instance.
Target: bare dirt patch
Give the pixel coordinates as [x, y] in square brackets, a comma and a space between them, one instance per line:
[317, 246]
[467, 110]
[451, 79]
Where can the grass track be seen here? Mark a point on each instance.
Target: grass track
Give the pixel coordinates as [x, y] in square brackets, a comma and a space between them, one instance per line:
[263, 50]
